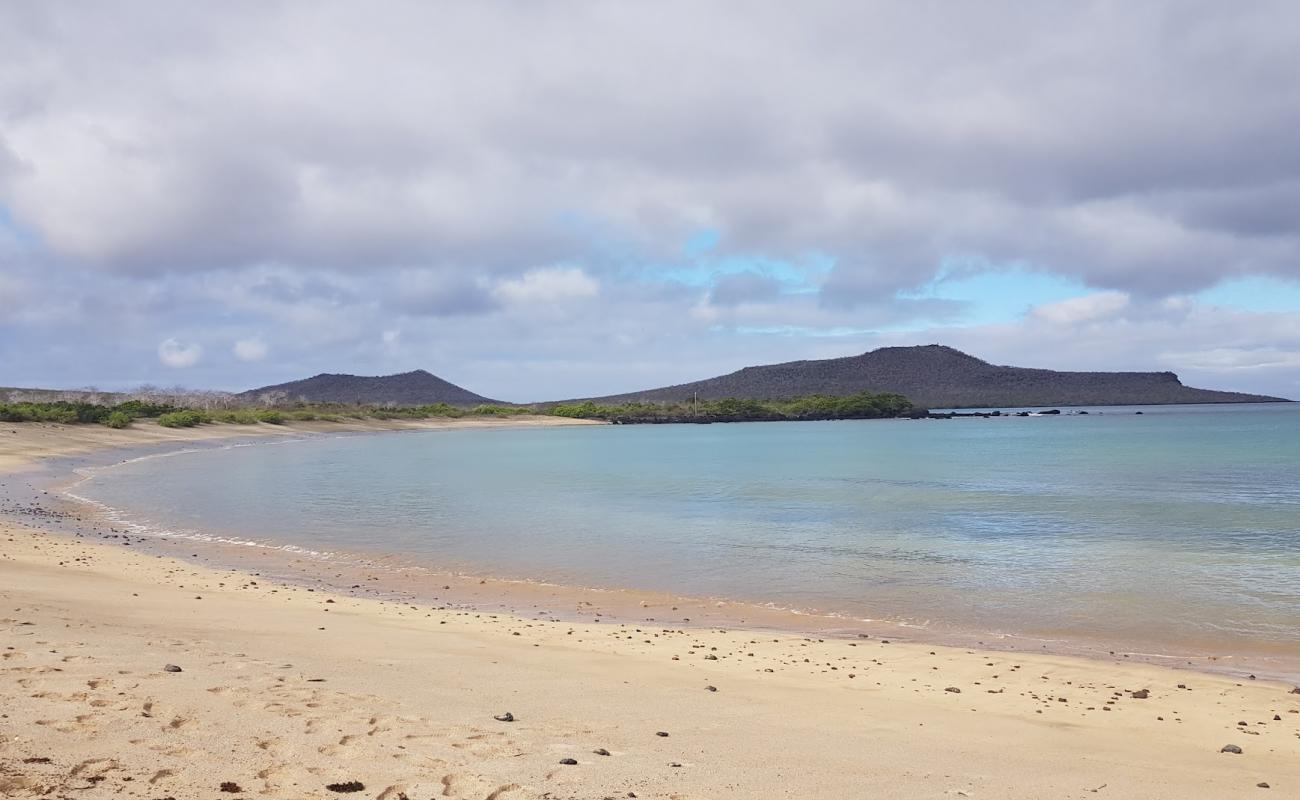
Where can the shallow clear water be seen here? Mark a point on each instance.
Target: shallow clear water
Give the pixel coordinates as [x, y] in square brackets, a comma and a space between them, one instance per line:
[1177, 527]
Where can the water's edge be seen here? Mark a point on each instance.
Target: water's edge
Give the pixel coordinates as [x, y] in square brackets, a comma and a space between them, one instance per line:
[54, 484]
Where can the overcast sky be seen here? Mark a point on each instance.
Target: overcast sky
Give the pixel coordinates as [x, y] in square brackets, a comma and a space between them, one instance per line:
[539, 200]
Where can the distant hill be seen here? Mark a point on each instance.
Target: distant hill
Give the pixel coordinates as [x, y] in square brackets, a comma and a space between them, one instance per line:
[935, 376]
[416, 388]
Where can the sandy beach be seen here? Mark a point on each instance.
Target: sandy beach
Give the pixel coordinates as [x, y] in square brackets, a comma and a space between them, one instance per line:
[127, 673]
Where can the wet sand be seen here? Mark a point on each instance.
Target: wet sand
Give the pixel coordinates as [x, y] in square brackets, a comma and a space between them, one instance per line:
[287, 688]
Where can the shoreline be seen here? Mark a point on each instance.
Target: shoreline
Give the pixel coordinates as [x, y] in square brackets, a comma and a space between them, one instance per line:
[311, 686]
[480, 588]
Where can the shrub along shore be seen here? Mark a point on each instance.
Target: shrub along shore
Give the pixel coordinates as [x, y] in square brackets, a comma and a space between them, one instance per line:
[813, 407]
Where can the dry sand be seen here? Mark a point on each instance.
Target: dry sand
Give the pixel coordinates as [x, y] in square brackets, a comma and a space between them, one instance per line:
[284, 691]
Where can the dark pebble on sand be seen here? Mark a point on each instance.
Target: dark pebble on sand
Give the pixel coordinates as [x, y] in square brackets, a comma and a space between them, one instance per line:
[1262, 785]
[172, 668]
[600, 751]
[346, 787]
[710, 688]
[1141, 694]
[506, 717]
[568, 762]
[1230, 748]
[953, 689]
[231, 787]
[661, 733]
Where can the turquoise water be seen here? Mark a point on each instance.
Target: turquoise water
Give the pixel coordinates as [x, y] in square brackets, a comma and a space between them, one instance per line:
[1179, 527]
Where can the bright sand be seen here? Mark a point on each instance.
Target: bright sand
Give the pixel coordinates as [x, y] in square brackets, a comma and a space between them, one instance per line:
[285, 690]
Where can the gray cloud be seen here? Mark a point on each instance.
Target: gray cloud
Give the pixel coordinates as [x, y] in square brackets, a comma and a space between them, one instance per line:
[744, 287]
[324, 134]
[324, 171]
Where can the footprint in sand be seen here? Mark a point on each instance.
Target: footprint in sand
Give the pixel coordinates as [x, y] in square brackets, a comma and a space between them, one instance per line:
[161, 774]
[460, 785]
[175, 751]
[271, 745]
[343, 747]
[417, 790]
[283, 776]
[82, 723]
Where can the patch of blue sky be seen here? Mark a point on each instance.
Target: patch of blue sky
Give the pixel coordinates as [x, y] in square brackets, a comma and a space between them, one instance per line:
[799, 330]
[1253, 294]
[701, 242]
[19, 233]
[996, 295]
[803, 275]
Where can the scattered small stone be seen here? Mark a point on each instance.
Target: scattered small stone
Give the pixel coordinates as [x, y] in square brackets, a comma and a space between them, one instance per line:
[600, 751]
[568, 762]
[231, 787]
[953, 689]
[347, 787]
[1230, 748]
[710, 657]
[661, 733]
[506, 717]
[172, 668]
[36, 760]
[710, 688]
[1295, 690]
[674, 764]
[1141, 694]
[1262, 784]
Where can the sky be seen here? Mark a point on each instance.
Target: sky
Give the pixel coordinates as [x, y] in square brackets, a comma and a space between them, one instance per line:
[542, 200]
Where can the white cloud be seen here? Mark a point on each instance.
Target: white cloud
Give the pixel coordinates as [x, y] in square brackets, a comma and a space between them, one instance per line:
[172, 353]
[526, 229]
[250, 350]
[1083, 309]
[550, 285]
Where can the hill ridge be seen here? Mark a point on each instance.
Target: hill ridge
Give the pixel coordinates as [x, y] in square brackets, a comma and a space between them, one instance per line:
[939, 376]
[417, 387]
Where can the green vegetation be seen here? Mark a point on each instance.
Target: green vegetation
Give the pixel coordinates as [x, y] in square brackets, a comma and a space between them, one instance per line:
[815, 406]
[170, 416]
[184, 419]
[118, 419]
[731, 409]
[114, 416]
[863, 405]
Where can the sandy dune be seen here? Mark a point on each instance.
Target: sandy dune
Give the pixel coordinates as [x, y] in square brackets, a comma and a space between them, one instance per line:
[287, 692]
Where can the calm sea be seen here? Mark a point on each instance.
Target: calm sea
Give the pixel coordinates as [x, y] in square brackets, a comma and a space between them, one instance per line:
[1175, 528]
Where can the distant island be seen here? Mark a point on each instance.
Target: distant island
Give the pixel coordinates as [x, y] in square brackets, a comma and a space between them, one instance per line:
[888, 382]
[936, 376]
[418, 388]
